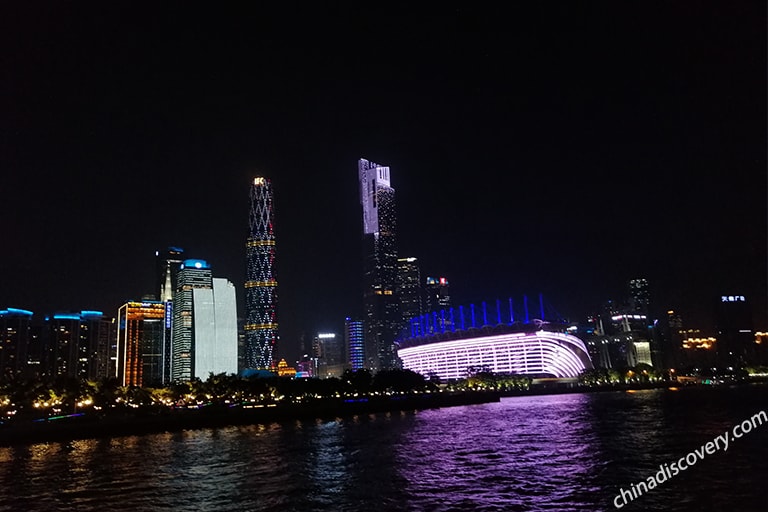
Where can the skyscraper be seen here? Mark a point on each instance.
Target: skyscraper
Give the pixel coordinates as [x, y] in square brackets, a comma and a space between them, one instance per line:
[409, 291]
[261, 284]
[140, 336]
[437, 296]
[78, 344]
[735, 337]
[354, 339]
[204, 324]
[15, 335]
[167, 264]
[381, 306]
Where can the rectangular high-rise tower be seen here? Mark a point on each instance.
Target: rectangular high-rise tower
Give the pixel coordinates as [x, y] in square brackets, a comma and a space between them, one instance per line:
[381, 306]
[260, 281]
[140, 337]
[167, 264]
[204, 324]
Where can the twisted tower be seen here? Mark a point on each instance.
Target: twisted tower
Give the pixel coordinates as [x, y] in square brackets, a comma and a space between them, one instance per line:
[260, 284]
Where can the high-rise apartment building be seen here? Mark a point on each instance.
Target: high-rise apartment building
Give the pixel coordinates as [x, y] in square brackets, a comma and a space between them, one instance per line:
[381, 307]
[354, 340]
[79, 345]
[140, 338]
[204, 324]
[15, 335]
[261, 332]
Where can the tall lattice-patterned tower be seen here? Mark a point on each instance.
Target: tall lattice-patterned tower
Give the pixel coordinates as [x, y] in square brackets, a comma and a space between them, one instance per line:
[261, 284]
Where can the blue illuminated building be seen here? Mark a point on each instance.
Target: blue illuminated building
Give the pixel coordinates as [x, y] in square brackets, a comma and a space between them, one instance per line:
[355, 342]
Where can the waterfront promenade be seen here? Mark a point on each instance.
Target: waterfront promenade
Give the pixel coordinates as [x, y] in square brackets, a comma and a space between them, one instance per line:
[146, 420]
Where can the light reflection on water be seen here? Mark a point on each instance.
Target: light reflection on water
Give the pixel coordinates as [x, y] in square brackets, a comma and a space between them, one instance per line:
[555, 452]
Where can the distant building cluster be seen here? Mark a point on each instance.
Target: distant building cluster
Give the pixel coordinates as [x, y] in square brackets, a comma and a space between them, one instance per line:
[627, 334]
[188, 328]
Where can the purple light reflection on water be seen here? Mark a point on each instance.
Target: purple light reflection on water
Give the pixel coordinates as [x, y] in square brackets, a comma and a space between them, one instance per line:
[565, 452]
[519, 454]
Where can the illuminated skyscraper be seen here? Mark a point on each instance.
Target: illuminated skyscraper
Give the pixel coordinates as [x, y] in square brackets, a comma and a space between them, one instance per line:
[409, 291]
[78, 345]
[355, 343]
[167, 263]
[15, 336]
[204, 324]
[735, 337]
[381, 306]
[140, 336]
[260, 284]
[438, 296]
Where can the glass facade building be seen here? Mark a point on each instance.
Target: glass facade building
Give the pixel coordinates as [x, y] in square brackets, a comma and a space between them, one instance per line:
[381, 306]
[409, 291]
[215, 329]
[140, 337]
[204, 324]
[260, 327]
[168, 263]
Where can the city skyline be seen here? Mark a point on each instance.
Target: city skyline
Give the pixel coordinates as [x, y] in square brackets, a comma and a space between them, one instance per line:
[568, 174]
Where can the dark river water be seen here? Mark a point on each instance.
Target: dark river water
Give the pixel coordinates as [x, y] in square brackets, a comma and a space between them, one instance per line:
[555, 452]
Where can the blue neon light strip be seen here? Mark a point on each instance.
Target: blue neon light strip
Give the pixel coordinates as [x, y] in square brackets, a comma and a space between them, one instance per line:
[525, 305]
[67, 316]
[16, 311]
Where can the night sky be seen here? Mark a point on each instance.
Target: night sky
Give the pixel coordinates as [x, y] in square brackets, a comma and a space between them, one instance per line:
[560, 148]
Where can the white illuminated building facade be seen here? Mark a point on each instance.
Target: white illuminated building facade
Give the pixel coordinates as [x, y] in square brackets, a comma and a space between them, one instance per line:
[537, 354]
[205, 324]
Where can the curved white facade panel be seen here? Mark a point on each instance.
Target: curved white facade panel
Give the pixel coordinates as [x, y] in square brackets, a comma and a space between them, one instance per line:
[540, 353]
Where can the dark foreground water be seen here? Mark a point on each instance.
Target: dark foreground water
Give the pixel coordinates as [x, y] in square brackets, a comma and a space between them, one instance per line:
[555, 452]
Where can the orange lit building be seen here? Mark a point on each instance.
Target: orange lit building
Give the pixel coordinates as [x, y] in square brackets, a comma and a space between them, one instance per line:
[140, 334]
[283, 370]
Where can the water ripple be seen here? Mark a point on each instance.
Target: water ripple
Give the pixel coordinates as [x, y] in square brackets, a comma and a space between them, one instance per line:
[547, 453]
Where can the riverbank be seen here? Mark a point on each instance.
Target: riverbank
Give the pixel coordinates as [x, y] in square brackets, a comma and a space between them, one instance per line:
[138, 422]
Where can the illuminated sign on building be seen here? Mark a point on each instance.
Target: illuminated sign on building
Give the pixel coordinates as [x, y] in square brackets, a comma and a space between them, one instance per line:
[195, 264]
[732, 298]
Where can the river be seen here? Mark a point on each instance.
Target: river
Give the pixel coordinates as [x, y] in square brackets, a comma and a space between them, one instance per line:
[551, 452]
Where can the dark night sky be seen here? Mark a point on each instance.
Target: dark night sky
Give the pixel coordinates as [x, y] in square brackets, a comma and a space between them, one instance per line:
[555, 148]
